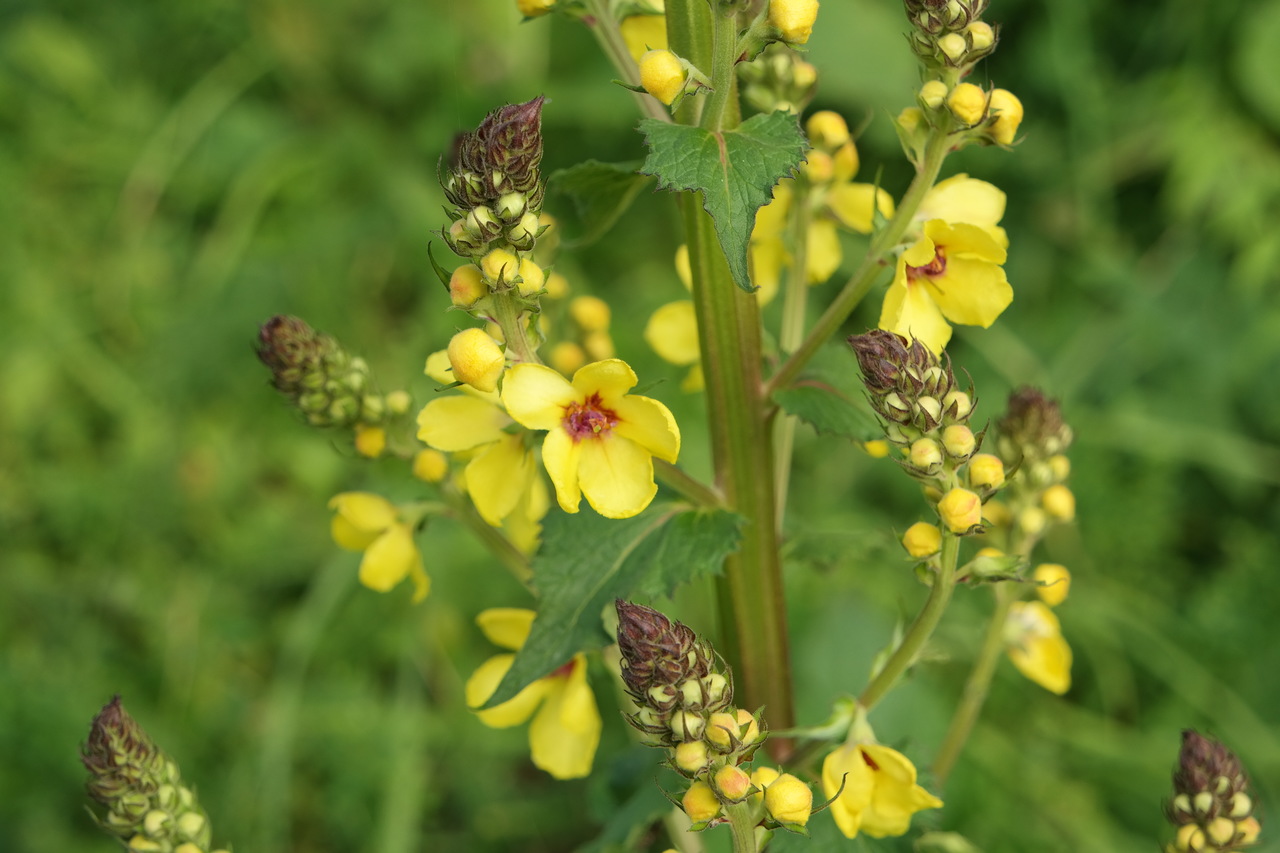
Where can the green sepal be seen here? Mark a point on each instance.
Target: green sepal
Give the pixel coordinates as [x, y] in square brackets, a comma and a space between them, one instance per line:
[441, 273]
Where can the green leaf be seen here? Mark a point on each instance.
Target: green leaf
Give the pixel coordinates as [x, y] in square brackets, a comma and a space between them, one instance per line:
[600, 192]
[587, 561]
[829, 396]
[736, 170]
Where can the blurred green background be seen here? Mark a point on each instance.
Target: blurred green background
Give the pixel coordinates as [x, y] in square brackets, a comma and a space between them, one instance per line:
[173, 174]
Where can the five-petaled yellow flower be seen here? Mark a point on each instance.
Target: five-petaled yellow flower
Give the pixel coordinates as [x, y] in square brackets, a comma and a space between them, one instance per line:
[880, 792]
[600, 440]
[372, 524]
[1033, 639]
[566, 730]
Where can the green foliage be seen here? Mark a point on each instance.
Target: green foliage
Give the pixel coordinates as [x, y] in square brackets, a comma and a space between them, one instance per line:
[735, 170]
[586, 561]
[600, 192]
[829, 396]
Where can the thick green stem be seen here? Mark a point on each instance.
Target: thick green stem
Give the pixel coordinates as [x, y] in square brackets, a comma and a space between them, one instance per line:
[507, 314]
[604, 26]
[721, 110]
[791, 333]
[860, 282]
[743, 825]
[921, 629]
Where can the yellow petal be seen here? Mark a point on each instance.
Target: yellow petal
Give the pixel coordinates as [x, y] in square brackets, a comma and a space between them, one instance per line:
[560, 456]
[506, 626]
[513, 712]
[566, 731]
[910, 311]
[824, 253]
[523, 526]
[852, 205]
[350, 537]
[460, 422]
[390, 559]
[672, 331]
[1035, 644]
[922, 252]
[961, 198]
[962, 239]
[694, 381]
[768, 257]
[643, 33]
[535, 395]
[771, 220]
[498, 476]
[846, 766]
[896, 796]
[611, 379]
[649, 424]
[973, 293]
[616, 475]
[364, 516]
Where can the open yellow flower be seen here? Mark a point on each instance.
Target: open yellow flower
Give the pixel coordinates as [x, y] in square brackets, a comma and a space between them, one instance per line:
[953, 273]
[1033, 639]
[600, 440]
[566, 731]
[880, 792]
[372, 524]
[961, 198]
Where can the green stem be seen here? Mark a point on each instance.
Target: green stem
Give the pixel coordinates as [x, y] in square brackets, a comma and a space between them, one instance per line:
[721, 110]
[604, 26]
[689, 487]
[860, 282]
[975, 687]
[743, 825]
[510, 556]
[791, 333]
[921, 629]
[507, 314]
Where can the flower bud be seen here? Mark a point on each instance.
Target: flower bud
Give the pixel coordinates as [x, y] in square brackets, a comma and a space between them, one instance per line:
[793, 19]
[556, 285]
[1249, 830]
[722, 730]
[370, 441]
[953, 47]
[910, 119]
[500, 265]
[482, 221]
[827, 130]
[986, 471]
[932, 94]
[1190, 838]
[762, 777]
[686, 725]
[997, 512]
[733, 783]
[922, 540]
[747, 725]
[524, 233]
[1032, 521]
[599, 345]
[1221, 830]
[531, 278]
[960, 510]
[430, 466]
[1059, 503]
[700, 802]
[789, 800]
[534, 8]
[466, 286]
[566, 357]
[1059, 467]
[590, 312]
[876, 448]
[691, 757]
[1008, 112]
[662, 75]
[959, 441]
[1056, 580]
[967, 102]
[981, 36]
[510, 206]
[926, 455]
[477, 359]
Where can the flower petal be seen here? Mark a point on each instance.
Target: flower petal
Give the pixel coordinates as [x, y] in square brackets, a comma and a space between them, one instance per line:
[498, 476]
[514, 711]
[649, 424]
[364, 512]
[896, 796]
[852, 205]
[535, 395]
[961, 198]
[566, 731]
[611, 379]
[823, 251]
[390, 559]
[561, 456]
[672, 331]
[768, 257]
[460, 422]
[506, 626]
[910, 311]
[616, 475]
[963, 239]
[971, 292]
[846, 766]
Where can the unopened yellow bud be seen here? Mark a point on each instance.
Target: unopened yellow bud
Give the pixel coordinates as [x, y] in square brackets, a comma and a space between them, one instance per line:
[827, 130]
[686, 725]
[1059, 467]
[1008, 112]
[957, 405]
[1032, 520]
[1059, 503]
[722, 728]
[876, 448]
[500, 265]
[188, 847]
[793, 19]
[953, 46]
[1221, 830]
[557, 286]
[431, 466]
[788, 800]
[142, 844]
[398, 402]
[534, 8]
[762, 777]
[1241, 804]
[733, 783]
[925, 455]
[932, 94]
[959, 441]
[910, 119]
[599, 345]
[700, 802]
[590, 312]
[466, 286]
[691, 756]
[986, 471]
[803, 74]
[968, 103]
[566, 357]
[981, 35]
[750, 729]
[370, 440]
[1190, 838]
[662, 75]
[1249, 829]
[531, 277]
[818, 167]
[922, 539]
[476, 359]
[997, 512]
[1057, 580]
[960, 509]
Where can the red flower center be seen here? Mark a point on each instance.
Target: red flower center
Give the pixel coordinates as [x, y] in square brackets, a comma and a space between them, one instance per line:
[870, 761]
[933, 269]
[589, 419]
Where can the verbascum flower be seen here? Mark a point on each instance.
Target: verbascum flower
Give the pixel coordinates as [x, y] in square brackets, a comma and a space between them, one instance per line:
[1007, 110]
[1034, 642]
[672, 331]
[880, 792]
[793, 19]
[600, 440]
[566, 728]
[952, 275]
[1211, 806]
[788, 800]
[370, 523]
[962, 199]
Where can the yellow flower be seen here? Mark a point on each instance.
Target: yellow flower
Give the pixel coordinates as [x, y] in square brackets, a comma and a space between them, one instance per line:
[1033, 639]
[600, 440]
[793, 19]
[1008, 112]
[370, 523]
[961, 198]
[952, 274]
[880, 792]
[566, 730]
[672, 331]
[662, 75]
[643, 33]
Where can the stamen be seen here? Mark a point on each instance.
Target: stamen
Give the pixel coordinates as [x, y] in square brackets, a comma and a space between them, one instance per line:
[589, 419]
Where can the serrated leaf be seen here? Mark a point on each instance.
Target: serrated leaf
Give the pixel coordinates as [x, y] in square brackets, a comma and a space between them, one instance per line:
[829, 411]
[736, 171]
[587, 561]
[600, 192]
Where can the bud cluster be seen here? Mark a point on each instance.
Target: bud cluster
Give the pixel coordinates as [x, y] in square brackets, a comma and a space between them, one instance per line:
[778, 79]
[1211, 807]
[949, 33]
[1032, 438]
[147, 805]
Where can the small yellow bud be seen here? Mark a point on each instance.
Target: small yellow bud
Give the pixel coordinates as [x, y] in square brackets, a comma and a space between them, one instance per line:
[1059, 503]
[188, 847]
[932, 94]
[876, 448]
[981, 35]
[398, 402]
[370, 440]
[566, 357]
[931, 407]
[788, 800]
[1032, 520]
[1249, 829]
[1058, 583]
[599, 345]
[477, 359]
[733, 783]
[466, 286]
[534, 8]
[1008, 112]
[989, 552]
[686, 725]
[910, 119]
[500, 264]
[1241, 804]
[957, 405]
[430, 466]
[1190, 838]
[922, 539]
[531, 277]
[590, 312]
[953, 46]
[967, 102]
[925, 455]
[1221, 830]
[986, 471]
[997, 512]
[662, 75]
[827, 130]
[1059, 467]
[691, 756]
[748, 726]
[818, 167]
[959, 441]
[762, 777]
[960, 509]
[700, 802]
[803, 74]
[142, 844]
[557, 286]
[793, 19]
[722, 728]
[714, 687]
[845, 162]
